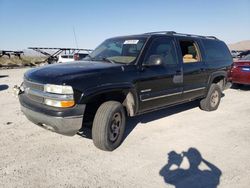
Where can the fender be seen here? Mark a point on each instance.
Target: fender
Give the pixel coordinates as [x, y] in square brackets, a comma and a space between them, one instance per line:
[213, 75]
[216, 74]
[128, 89]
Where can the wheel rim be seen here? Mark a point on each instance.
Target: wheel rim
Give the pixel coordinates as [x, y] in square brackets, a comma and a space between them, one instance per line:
[115, 127]
[214, 98]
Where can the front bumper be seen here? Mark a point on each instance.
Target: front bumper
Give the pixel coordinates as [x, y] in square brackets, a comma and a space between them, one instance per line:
[63, 125]
[66, 121]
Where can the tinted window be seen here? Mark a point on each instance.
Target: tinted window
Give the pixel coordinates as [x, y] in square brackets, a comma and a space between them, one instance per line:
[163, 47]
[216, 51]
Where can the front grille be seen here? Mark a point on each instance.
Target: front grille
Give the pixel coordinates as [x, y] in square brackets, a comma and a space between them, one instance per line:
[33, 85]
[28, 85]
[36, 98]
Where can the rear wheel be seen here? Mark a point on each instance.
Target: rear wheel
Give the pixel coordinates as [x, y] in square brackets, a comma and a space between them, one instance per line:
[212, 101]
[109, 126]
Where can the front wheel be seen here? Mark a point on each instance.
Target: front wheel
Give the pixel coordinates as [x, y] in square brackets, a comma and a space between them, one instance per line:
[212, 101]
[109, 126]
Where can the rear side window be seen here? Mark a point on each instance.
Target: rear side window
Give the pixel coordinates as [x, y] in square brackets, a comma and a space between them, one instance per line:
[190, 51]
[216, 51]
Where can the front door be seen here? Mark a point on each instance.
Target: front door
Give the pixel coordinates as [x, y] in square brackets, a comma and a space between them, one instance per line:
[160, 85]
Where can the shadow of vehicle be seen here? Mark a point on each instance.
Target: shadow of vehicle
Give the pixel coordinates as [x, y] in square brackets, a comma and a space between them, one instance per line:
[159, 114]
[241, 87]
[3, 87]
[148, 117]
[193, 177]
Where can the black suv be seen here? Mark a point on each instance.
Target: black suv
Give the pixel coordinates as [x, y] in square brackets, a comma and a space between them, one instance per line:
[126, 76]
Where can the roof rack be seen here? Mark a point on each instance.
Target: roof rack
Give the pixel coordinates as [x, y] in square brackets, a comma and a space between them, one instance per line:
[161, 32]
[179, 34]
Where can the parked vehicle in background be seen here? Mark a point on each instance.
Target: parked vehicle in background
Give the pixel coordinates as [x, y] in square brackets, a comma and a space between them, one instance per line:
[65, 58]
[240, 72]
[80, 56]
[234, 53]
[124, 77]
[244, 53]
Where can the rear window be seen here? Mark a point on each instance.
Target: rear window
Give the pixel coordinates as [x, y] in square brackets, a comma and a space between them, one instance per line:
[216, 51]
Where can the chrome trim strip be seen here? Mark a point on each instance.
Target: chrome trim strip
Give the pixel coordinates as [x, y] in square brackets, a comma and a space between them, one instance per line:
[48, 95]
[172, 94]
[162, 96]
[145, 90]
[191, 90]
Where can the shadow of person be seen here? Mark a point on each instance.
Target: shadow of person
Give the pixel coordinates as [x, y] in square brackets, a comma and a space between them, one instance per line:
[193, 177]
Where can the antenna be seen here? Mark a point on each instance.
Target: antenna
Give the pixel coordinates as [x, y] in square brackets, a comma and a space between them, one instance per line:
[75, 37]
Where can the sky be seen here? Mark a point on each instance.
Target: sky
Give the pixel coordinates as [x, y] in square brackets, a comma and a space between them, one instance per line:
[51, 23]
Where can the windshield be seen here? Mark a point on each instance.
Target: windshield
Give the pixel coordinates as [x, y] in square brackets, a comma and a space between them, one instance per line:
[118, 50]
[247, 57]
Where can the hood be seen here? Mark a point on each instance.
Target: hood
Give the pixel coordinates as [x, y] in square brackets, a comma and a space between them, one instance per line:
[59, 73]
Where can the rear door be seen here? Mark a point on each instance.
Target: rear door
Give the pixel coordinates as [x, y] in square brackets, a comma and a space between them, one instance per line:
[194, 69]
[160, 85]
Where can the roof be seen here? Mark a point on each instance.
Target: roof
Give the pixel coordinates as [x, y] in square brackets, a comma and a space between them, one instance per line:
[169, 33]
[179, 34]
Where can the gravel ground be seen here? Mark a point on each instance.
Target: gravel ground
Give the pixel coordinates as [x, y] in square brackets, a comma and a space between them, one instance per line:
[33, 157]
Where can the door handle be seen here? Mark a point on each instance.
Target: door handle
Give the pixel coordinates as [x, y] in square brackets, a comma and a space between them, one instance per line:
[178, 77]
[178, 72]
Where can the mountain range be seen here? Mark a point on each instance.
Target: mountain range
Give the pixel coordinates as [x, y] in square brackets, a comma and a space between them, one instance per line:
[242, 45]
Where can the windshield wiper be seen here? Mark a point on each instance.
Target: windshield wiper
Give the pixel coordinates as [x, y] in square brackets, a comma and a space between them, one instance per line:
[108, 60]
[101, 59]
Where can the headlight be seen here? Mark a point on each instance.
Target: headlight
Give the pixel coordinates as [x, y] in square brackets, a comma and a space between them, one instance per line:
[50, 88]
[59, 96]
[56, 103]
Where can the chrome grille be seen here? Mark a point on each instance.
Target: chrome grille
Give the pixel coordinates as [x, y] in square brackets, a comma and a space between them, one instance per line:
[32, 86]
[36, 98]
[35, 92]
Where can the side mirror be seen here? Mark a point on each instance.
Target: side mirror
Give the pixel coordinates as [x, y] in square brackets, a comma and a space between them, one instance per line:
[154, 60]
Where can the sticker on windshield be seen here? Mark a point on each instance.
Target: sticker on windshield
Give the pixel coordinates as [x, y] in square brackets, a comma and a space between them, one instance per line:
[131, 41]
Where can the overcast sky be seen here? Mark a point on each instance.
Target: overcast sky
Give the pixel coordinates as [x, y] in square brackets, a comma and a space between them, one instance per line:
[50, 23]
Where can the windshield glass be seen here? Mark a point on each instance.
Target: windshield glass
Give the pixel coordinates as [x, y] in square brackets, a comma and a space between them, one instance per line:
[118, 50]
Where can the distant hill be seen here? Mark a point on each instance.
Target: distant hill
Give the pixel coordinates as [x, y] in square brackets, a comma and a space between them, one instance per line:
[242, 45]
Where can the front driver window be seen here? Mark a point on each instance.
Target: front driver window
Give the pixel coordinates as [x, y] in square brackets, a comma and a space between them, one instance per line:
[164, 48]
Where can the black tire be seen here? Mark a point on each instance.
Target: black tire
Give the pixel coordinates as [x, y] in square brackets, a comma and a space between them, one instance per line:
[109, 126]
[212, 101]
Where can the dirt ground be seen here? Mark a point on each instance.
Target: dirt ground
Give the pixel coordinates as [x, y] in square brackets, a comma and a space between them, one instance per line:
[33, 157]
